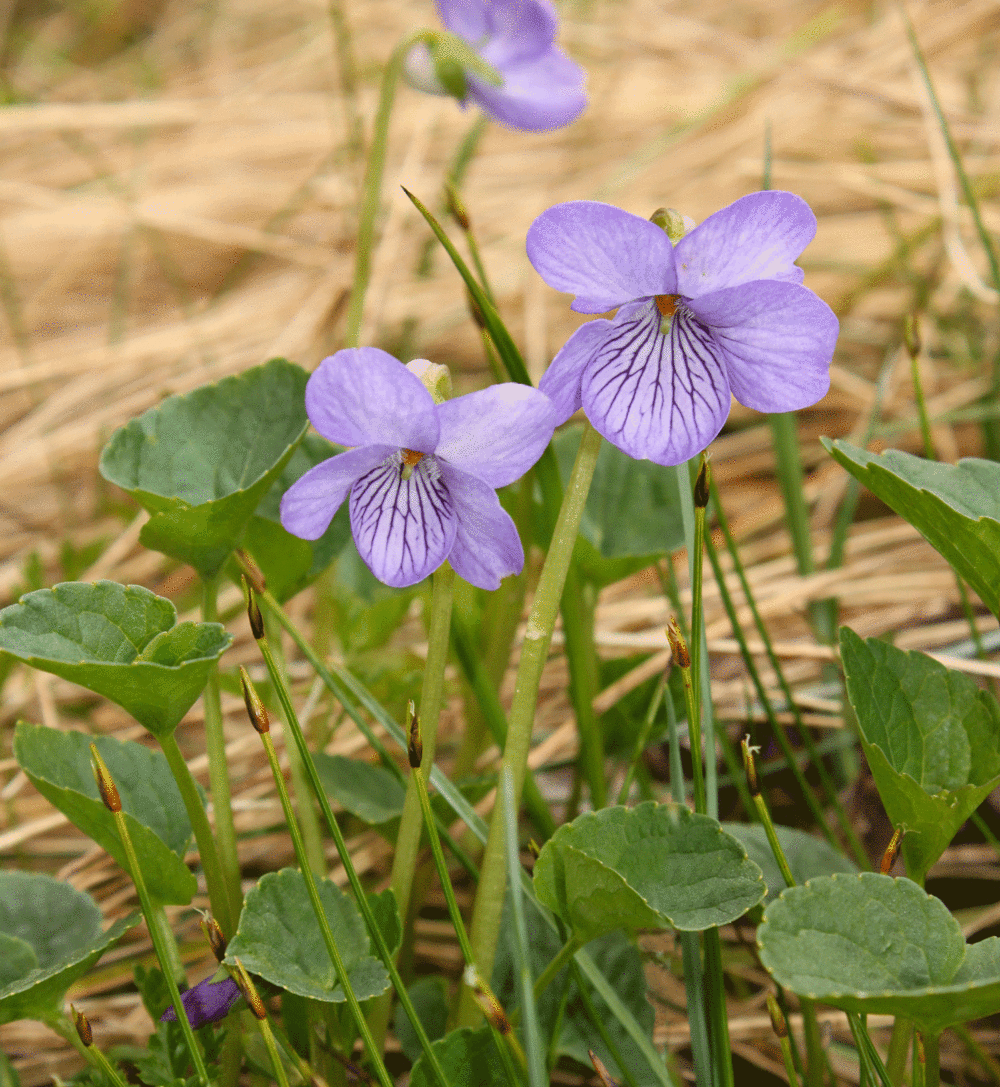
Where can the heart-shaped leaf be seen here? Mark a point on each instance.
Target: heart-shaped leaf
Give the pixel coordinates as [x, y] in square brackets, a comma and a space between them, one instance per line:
[807, 856]
[870, 943]
[468, 1057]
[955, 507]
[288, 563]
[200, 463]
[58, 764]
[651, 866]
[280, 940]
[50, 935]
[932, 739]
[632, 514]
[120, 641]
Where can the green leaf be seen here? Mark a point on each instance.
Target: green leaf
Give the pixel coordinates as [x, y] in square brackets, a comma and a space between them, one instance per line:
[288, 563]
[469, 1059]
[386, 912]
[932, 739]
[872, 944]
[58, 764]
[430, 1001]
[201, 463]
[807, 856]
[61, 927]
[652, 866]
[123, 642]
[279, 939]
[632, 513]
[955, 507]
[369, 792]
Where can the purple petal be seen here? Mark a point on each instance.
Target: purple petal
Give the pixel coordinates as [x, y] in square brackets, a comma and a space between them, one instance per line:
[363, 396]
[487, 547]
[603, 255]
[757, 237]
[538, 93]
[308, 506]
[208, 1002]
[497, 433]
[466, 18]
[778, 340]
[403, 529]
[659, 397]
[519, 30]
[561, 381]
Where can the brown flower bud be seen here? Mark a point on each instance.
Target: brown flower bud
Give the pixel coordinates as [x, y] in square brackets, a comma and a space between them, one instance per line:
[82, 1027]
[249, 990]
[215, 936]
[255, 708]
[777, 1017]
[253, 610]
[415, 747]
[105, 783]
[678, 647]
[603, 1074]
[889, 856]
[702, 484]
[750, 765]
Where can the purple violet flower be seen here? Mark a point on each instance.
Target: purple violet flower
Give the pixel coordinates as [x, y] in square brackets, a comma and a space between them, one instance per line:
[722, 311]
[422, 476]
[514, 71]
[208, 1002]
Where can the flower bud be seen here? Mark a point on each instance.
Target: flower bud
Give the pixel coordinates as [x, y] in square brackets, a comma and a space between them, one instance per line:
[702, 484]
[678, 647]
[253, 610]
[911, 336]
[435, 376]
[672, 223]
[889, 856]
[456, 207]
[415, 747]
[778, 1020]
[105, 783]
[487, 1001]
[750, 765]
[440, 64]
[602, 1073]
[215, 936]
[249, 990]
[82, 1027]
[251, 571]
[255, 708]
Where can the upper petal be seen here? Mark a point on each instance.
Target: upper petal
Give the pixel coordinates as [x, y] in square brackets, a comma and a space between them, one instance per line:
[657, 396]
[308, 506]
[206, 1002]
[778, 339]
[487, 547]
[561, 381]
[466, 18]
[518, 30]
[539, 93]
[363, 396]
[497, 433]
[403, 529]
[603, 255]
[756, 237]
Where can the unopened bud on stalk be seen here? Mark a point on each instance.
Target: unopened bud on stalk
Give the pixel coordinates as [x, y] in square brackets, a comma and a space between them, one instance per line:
[251, 571]
[750, 765]
[603, 1074]
[249, 990]
[415, 747]
[82, 1027]
[911, 336]
[253, 610]
[778, 1020]
[215, 936]
[889, 856]
[456, 207]
[702, 483]
[488, 1003]
[533, 848]
[678, 647]
[255, 708]
[475, 311]
[105, 783]
[672, 223]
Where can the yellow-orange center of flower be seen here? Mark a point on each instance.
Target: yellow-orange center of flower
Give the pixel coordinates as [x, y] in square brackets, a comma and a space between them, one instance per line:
[666, 304]
[411, 457]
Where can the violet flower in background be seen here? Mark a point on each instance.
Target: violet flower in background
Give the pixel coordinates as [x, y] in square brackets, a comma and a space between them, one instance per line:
[422, 476]
[501, 55]
[722, 311]
[207, 1002]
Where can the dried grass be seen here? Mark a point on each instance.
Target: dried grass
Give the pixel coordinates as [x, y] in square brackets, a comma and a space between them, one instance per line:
[155, 239]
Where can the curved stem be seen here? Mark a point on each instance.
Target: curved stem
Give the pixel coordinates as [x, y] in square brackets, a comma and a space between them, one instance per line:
[538, 636]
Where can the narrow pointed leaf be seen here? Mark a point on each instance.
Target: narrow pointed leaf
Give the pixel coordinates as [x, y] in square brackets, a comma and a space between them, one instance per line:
[280, 940]
[58, 764]
[652, 866]
[200, 463]
[61, 928]
[955, 507]
[122, 642]
[873, 944]
[931, 737]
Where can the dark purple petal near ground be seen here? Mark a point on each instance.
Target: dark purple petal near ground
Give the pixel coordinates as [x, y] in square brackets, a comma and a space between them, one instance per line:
[207, 1002]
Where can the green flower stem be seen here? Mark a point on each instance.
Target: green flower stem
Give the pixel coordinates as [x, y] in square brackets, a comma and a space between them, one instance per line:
[718, 1013]
[272, 1050]
[815, 1057]
[218, 895]
[683, 661]
[373, 1051]
[899, 1048]
[694, 989]
[700, 711]
[163, 952]
[374, 930]
[538, 636]
[218, 770]
[601, 1027]
[640, 743]
[760, 805]
[581, 656]
[932, 1059]
[308, 820]
[168, 942]
[371, 192]
[562, 956]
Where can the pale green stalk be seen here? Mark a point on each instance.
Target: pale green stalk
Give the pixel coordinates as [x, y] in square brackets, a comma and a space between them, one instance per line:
[538, 636]
[899, 1048]
[218, 770]
[640, 742]
[555, 964]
